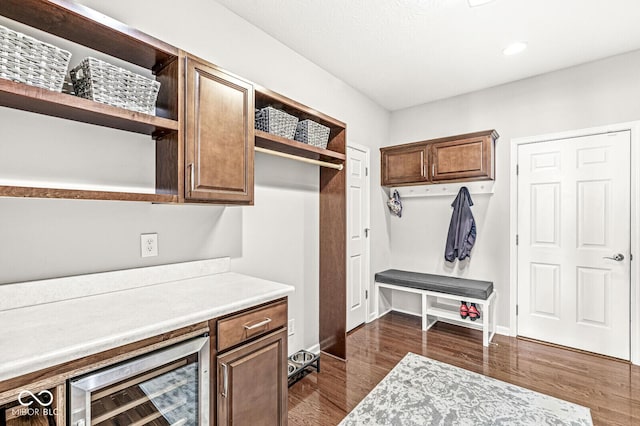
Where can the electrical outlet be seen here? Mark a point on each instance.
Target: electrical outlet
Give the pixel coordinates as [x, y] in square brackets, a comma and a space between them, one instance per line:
[148, 245]
[292, 327]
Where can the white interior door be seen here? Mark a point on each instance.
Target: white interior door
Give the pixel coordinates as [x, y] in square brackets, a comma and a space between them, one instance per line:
[358, 235]
[573, 218]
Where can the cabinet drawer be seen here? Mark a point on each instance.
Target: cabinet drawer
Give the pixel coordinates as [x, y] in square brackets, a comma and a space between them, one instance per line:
[247, 325]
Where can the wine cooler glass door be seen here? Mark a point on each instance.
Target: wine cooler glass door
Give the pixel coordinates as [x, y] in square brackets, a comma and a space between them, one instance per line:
[166, 387]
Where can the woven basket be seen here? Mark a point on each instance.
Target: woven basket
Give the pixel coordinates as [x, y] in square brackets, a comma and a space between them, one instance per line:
[27, 60]
[312, 133]
[102, 82]
[274, 121]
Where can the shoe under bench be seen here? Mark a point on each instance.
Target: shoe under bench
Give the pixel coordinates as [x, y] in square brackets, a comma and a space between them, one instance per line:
[435, 291]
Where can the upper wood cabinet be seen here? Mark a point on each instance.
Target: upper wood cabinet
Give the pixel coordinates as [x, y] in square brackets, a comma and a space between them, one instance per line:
[219, 135]
[455, 158]
[405, 164]
[465, 158]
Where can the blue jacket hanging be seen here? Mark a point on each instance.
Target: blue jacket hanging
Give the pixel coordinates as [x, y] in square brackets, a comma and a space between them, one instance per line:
[462, 228]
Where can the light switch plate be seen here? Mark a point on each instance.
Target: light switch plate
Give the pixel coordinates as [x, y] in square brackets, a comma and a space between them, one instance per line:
[148, 245]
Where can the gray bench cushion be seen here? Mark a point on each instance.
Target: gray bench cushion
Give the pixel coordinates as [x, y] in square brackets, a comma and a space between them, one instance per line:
[450, 285]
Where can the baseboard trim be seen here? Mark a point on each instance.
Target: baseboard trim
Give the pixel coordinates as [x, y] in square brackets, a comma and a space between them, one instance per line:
[503, 331]
[402, 311]
[384, 313]
[314, 349]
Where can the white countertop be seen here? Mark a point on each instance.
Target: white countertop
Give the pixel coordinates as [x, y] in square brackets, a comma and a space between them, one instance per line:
[41, 336]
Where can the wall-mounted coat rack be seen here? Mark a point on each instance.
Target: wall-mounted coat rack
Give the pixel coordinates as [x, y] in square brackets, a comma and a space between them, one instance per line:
[442, 189]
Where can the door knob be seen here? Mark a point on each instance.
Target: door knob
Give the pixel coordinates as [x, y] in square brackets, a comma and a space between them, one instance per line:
[618, 257]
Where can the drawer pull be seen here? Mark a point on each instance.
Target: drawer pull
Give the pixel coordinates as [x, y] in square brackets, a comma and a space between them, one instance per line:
[258, 324]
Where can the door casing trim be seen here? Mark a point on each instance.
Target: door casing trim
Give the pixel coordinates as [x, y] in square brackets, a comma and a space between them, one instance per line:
[367, 221]
[634, 128]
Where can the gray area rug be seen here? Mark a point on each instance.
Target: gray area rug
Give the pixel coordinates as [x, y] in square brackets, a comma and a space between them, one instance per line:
[421, 391]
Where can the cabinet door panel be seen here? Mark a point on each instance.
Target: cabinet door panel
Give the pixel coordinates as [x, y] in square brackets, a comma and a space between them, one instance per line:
[219, 136]
[405, 165]
[461, 159]
[252, 383]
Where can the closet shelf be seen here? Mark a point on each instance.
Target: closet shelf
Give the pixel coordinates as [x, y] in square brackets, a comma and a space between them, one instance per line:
[288, 146]
[34, 192]
[452, 315]
[82, 25]
[43, 101]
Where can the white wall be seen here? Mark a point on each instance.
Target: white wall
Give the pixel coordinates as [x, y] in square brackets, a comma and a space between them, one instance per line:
[593, 94]
[275, 239]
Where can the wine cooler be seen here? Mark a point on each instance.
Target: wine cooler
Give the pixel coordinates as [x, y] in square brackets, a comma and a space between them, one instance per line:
[166, 387]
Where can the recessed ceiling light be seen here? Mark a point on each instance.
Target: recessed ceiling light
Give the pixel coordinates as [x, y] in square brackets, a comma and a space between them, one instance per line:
[474, 3]
[514, 48]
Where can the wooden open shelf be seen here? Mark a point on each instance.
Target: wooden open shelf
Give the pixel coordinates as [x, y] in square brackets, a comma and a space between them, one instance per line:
[78, 23]
[31, 192]
[265, 97]
[288, 146]
[333, 213]
[43, 101]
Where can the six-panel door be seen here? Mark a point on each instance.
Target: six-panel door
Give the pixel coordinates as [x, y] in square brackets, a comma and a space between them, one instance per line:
[574, 216]
[219, 137]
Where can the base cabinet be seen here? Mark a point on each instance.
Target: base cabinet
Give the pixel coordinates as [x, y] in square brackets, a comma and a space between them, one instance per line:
[252, 383]
[33, 406]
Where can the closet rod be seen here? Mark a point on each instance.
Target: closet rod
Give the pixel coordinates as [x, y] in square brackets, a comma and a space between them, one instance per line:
[305, 160]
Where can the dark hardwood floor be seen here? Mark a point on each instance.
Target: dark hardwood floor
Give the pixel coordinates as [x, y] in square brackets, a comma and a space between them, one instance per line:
[610, 388]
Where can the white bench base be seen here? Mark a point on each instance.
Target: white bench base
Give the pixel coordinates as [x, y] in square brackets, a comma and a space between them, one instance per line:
[432, 311]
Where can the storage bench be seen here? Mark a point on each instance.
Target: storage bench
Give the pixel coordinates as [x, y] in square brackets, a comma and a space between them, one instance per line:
[433, 288]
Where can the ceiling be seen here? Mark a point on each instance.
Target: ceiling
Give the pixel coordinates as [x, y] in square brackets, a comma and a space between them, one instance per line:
[402, 53]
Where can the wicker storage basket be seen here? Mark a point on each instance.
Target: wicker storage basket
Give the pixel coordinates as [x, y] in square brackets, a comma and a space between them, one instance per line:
[274, 121]
[312, 133]
[102, 82]
[27, 60]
